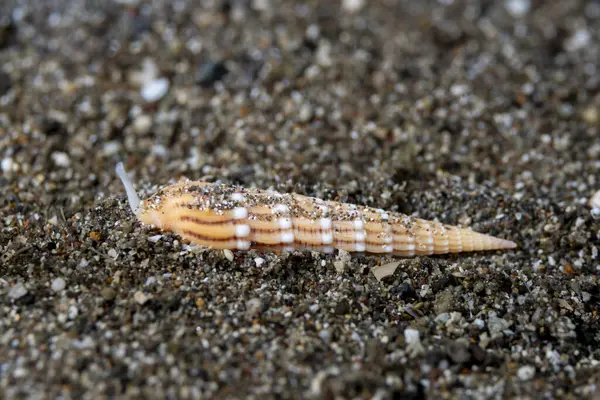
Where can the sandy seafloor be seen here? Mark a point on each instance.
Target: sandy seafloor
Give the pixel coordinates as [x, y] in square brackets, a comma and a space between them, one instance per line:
[476, 113]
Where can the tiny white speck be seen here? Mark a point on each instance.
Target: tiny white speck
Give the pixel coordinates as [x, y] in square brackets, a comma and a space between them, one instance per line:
[360, 236]
[324, 209]
[360, 247]
[240, 213]
[327, 238]
[287, 237]
[325, 223]
[388, 248]
[243, 244]
[237, 197]
[61, 159]
[280, 208]
[242, 230]
[358, 224]
[285, 223]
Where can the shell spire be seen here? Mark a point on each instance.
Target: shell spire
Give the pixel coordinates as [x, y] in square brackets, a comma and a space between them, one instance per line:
[461, 239]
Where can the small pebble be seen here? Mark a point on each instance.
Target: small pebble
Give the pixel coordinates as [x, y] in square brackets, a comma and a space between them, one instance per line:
[442, 318]
[479, 323]
[323, 55]
[160, 150]
[58, 285]
[17, 291]
[405, 291]
[305, 113]
[497, 325]
[342, 259]
[517, 8]
[8, 165]
[595, 200]
[313, 32]
[61, 159]
[108, 293]
[383, 271]
[591, 115]
[111, 148]
[5, 83]
[113, 254]
[154, 238]
[140, 298]
[579, 40]
[209, 73]
[353, 6]
[325, 335]
[155, 90]
[253, 306]
[73, 312]
[228, 254]
[526, 372]
[411, 336]
[459, 352]
[142, 123]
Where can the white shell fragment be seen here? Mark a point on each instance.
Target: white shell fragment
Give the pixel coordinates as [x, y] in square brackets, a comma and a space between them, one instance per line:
[383, 271]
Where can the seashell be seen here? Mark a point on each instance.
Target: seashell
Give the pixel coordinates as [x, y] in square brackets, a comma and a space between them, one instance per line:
[229, 217]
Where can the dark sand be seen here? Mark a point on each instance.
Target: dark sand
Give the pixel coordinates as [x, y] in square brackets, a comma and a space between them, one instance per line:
[474, 113]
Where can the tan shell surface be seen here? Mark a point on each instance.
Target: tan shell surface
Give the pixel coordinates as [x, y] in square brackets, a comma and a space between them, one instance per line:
[226, 217]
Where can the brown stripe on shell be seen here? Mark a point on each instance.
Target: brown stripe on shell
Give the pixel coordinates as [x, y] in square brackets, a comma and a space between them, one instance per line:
[221, 216]
[206, 238]
[200, 221]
